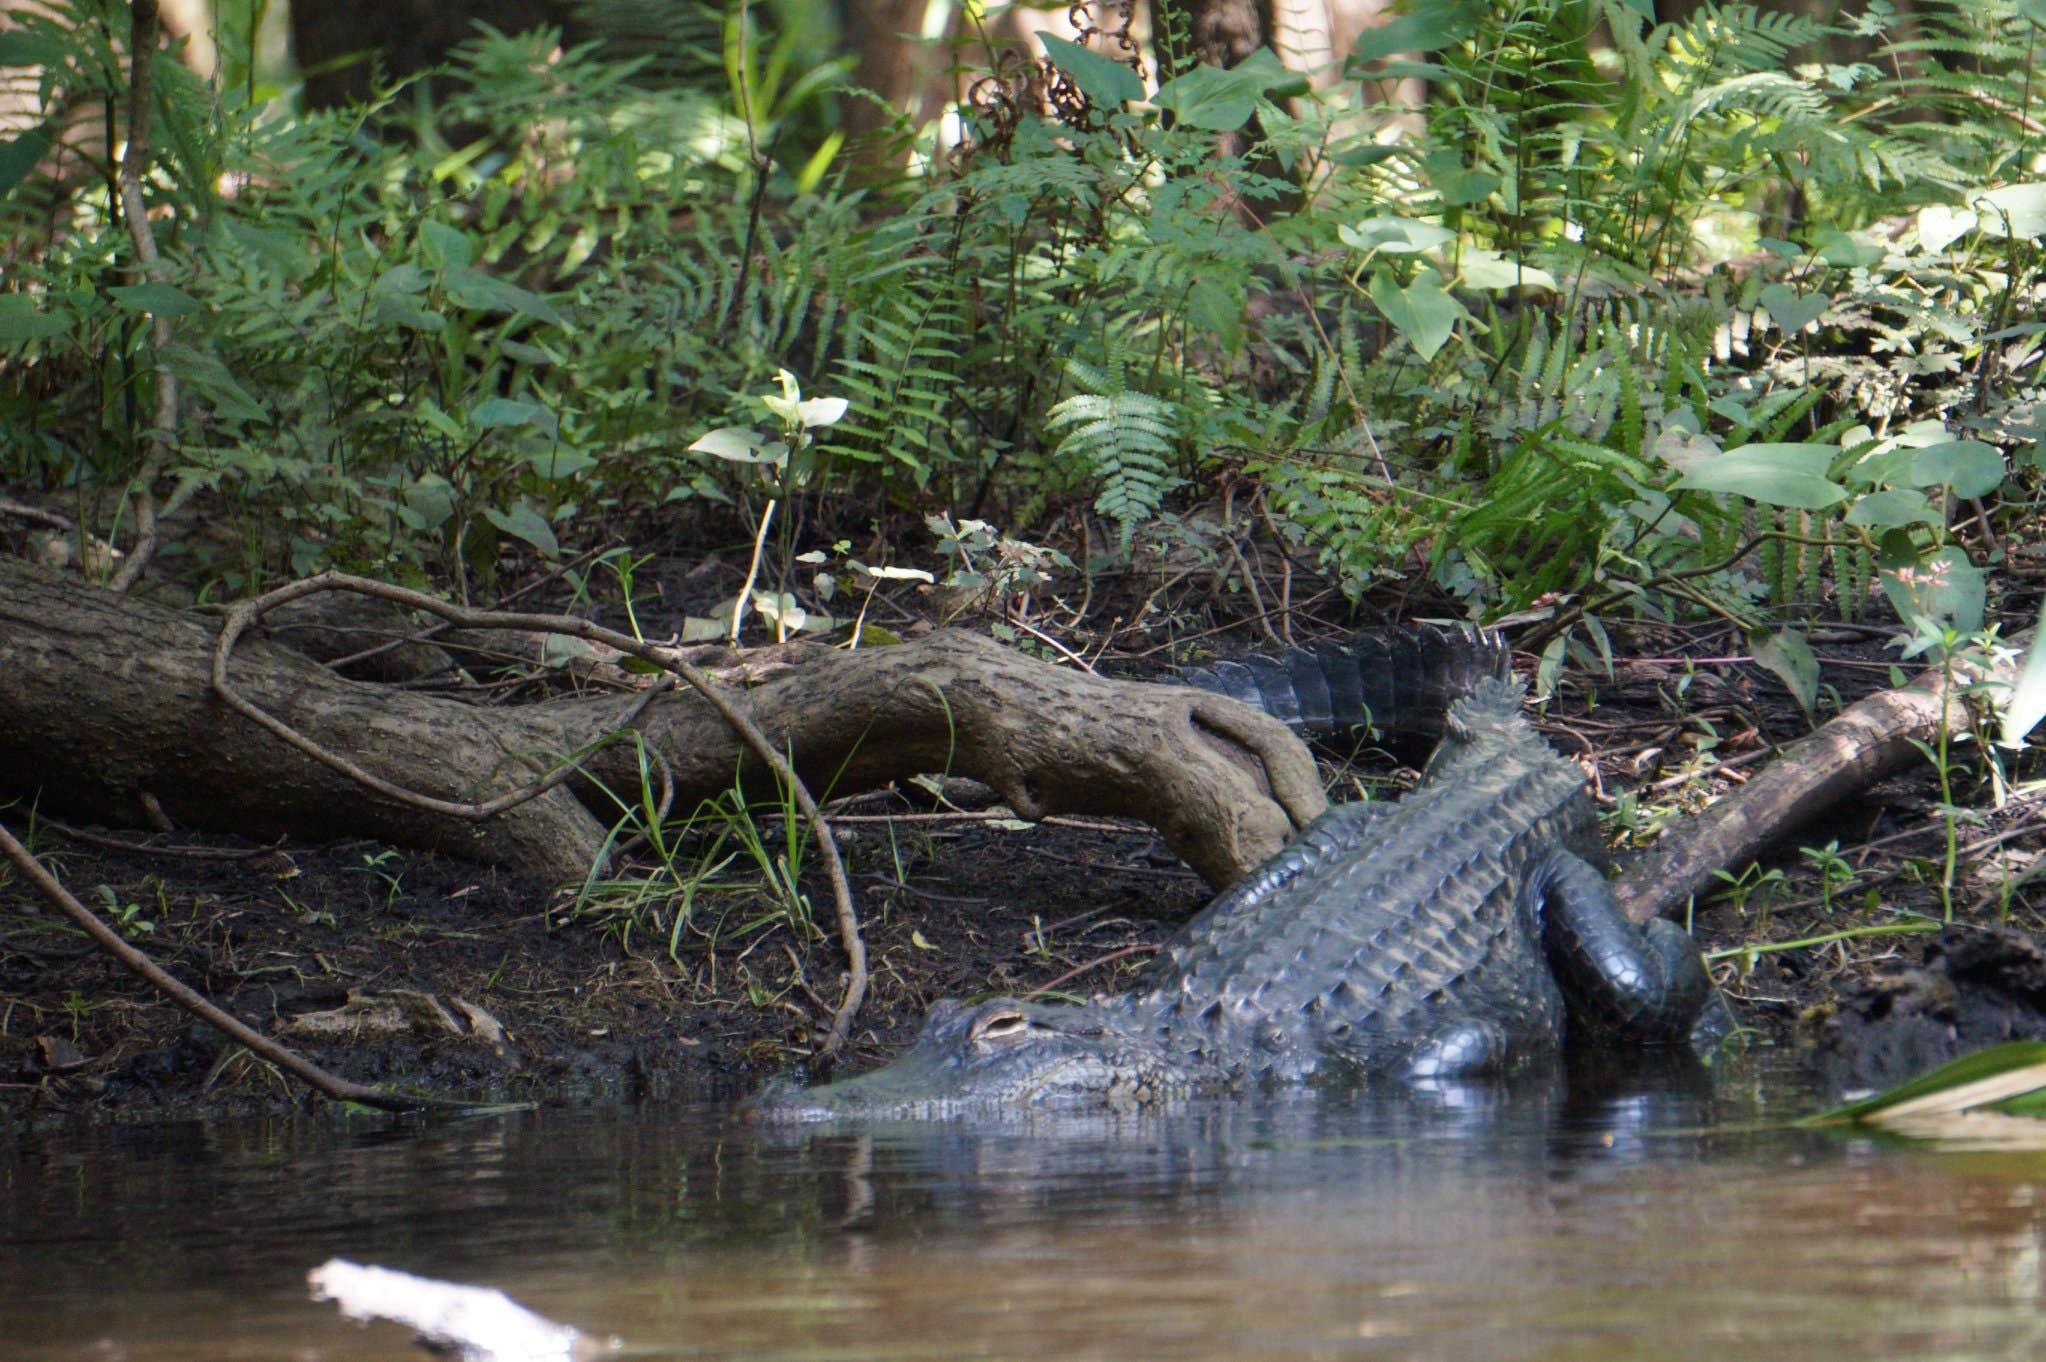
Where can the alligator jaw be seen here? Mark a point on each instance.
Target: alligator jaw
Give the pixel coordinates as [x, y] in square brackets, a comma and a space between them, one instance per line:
[999, 1056]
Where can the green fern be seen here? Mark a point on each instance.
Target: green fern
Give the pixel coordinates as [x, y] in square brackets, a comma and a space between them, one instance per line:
[1119, 437]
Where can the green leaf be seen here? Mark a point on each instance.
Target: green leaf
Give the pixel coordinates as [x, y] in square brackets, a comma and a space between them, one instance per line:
[1788, 654]
[1485, 269]
[1971, 468]
[160, 299]
[1773, 474]
[1394, 236]
[2034, 11]
[1423, 311]
[509, 411]
[1432, 25]
[206, 375]
[19, 156]
[402, 281]
[739, 445]
[1944, 587]
[1791, 310]
[20, 319]
[446, 247]
[31, 49]
[399, 310]
[487, 293]
[1107, 83]
[1988, 1078]
[523, 522]
[1217, 100]
[1892, 507]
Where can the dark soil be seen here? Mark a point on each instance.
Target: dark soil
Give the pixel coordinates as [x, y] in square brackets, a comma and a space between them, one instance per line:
[605, 996]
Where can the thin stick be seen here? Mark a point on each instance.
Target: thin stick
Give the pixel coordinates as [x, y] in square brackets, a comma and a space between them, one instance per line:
[299, 1067]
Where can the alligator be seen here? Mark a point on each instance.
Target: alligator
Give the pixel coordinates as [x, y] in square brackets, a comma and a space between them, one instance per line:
[1461, 930]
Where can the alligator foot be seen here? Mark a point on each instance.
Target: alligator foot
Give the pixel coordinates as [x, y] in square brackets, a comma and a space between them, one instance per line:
[1467, 1048]
[1639, 984]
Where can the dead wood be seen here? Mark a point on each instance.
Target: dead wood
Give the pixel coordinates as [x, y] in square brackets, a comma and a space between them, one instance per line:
[104, 700]
[1870, 739]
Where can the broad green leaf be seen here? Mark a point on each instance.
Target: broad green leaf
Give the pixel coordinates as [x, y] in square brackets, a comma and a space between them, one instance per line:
[1394, 236]
[1892, 507]
[402, 280]
[487, 293]
[1432, 25]
[1107, 83]
[1788, 654]
[553, 460]
[1423, 311]
[406, 311]
[2034, 11]
[1773, 474]
[19, 156]
[31, 49]
[207, 376]
[523, 522]
[1217, 100]
[1971, 468]
[1940, 226]
[445, 246]
[2015, 210]
[739, 445]
[510, 411]
[1845, 250]
[1791, 310]
[160, 299]
[1988, 1078]
[21, 319]
[1480, 268]
[432, 498]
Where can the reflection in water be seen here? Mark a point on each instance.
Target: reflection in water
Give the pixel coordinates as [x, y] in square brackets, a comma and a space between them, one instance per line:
[1621, 1214]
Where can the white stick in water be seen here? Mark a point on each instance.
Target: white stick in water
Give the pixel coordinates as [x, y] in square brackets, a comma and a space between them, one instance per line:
[472, 1323]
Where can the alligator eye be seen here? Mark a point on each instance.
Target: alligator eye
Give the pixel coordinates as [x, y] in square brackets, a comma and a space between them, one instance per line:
[998, 1026]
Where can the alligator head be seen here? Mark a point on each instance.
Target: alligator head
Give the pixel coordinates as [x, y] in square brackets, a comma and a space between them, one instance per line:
[1003, 1054]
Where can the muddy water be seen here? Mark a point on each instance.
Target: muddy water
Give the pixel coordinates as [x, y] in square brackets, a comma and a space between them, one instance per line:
[1614, 1217]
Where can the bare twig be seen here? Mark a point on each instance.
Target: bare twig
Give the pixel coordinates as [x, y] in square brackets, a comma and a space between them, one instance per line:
[9, 506]
[290, 1061]
[243, 615]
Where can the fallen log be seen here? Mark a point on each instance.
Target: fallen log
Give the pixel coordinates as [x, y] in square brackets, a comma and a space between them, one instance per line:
[1872, 738]
[107, 708]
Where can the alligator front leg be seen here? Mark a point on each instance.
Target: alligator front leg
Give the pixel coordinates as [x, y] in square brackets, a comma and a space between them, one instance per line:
[1621, 982]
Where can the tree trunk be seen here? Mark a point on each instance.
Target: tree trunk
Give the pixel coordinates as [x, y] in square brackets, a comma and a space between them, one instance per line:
[106, 706]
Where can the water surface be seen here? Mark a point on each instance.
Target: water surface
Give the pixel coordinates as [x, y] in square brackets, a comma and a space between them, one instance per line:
[1621, 1216]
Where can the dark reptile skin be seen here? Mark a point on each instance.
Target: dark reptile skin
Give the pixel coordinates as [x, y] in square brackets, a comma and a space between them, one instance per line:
[1407, 937]
[1400, 680]
[1461, 929]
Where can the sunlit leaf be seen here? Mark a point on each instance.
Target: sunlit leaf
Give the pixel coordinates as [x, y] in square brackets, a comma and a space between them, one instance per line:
[1423, 311]
[2026, 704]
[1970, 467]
[1773, 474]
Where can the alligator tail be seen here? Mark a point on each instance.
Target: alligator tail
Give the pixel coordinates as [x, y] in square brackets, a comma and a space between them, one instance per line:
[1401, 681]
